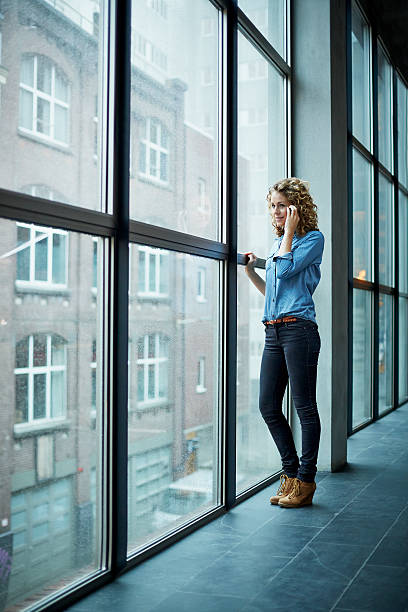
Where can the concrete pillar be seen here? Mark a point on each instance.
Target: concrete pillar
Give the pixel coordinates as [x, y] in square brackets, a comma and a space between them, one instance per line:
[319, 155]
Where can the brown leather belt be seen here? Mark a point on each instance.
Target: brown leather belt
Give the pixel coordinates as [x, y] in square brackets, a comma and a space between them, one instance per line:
[283, 320]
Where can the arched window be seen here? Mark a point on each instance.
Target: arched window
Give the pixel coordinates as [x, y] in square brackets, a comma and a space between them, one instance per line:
[44, 99]
[152, 367]
[40, 374]
[154, 151]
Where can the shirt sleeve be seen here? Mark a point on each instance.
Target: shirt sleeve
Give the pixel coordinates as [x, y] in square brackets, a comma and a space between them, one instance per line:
[309, 251]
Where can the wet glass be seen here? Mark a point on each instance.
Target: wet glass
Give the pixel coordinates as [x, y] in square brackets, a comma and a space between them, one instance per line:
[52, 67]
[174, 381]
[175, 129]
[51, 441]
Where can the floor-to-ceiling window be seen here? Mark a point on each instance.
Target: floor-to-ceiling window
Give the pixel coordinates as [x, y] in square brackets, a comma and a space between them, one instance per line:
[131, 175]
[377, 139]
[262, 160]
[52, 328]
[402, 257]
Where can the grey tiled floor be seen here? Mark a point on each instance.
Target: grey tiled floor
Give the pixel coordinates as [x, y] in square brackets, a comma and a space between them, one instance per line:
[348, 551]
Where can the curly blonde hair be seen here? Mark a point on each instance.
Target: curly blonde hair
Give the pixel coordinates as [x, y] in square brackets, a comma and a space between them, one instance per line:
[297, 192]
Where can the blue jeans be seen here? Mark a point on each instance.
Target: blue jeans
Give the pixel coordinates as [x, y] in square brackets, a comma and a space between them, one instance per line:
[292, 351]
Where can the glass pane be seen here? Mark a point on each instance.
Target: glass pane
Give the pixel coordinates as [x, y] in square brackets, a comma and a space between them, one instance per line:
[362, 218]
[56, 525]
[44, 70]
[361, 66]
[403, 349]
[23, 255]
[261, 146]
[173, 430]
[41, 256]
[61, 87]
[39, 397]
[21, 398]
[43, 117]
[58, 356]
[386, 231]
[385, 357]
[40, 351]
[362, 335]
[403, 242]
[58, 394]
[26, 109]
[22, 353]
[402, 103]
[27, 70]
[95, 264]
[384, 110]
[175, 130]
[56, 87]
[58, 259]
[152, 272]
[164, 273]
[269, 17]
[257, 455]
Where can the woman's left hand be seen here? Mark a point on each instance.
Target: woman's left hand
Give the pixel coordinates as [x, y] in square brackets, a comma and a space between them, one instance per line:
[292, 219]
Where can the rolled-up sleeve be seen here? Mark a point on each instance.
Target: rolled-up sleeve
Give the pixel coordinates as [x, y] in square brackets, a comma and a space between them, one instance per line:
[308, 251]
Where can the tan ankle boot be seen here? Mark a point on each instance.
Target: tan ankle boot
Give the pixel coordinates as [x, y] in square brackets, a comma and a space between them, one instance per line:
[285, 488]
[300, 495]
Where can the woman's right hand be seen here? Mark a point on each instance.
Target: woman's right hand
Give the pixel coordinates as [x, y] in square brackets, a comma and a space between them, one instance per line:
[251, 261]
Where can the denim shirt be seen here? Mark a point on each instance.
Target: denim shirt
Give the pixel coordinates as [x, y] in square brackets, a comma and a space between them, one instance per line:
[292, 278]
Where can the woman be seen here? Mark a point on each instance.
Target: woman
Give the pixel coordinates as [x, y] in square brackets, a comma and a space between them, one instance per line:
[292, 341]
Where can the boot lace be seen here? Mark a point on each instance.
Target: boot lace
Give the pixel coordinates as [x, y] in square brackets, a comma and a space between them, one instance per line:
[295, 492]
[282, 486]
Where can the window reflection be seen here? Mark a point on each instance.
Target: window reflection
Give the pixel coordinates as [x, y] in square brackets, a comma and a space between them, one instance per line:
[362, 347]
[173, 391]
[385, 353]
[361, 80]
[52, 416]
[362, 217]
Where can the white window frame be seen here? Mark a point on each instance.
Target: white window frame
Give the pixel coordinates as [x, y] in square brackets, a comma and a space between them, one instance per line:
[158, 254]
[200, 387]
[201, 284]
[48, 234]
[32, 370]
[51, 99]
[158, 148]
[147, 361]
